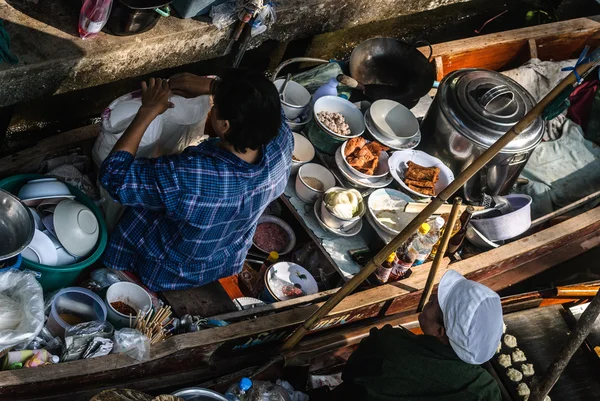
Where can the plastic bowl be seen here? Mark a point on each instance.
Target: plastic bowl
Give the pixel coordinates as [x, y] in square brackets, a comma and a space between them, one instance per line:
[130, 294]
[382, 170]
[304, 151]
[354, 118]
[296, 98]
[16, 225]
[35, 191]
[74, 303]
[509, 225]
[76, 227]
[307, 193]
[394, 120]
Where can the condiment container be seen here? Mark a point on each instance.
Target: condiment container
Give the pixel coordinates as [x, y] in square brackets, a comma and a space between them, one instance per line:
[74, 305]
[130, 294]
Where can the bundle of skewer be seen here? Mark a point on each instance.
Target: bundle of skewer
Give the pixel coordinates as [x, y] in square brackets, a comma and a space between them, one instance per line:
[153, 324]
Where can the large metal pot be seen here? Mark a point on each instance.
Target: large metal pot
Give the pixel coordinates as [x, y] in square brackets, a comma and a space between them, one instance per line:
[472, 109]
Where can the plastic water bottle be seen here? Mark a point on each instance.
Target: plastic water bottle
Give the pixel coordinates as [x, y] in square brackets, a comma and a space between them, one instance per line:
[239, 391]
[407, 254]
[329, 89]
[425, 245]
[93, 17]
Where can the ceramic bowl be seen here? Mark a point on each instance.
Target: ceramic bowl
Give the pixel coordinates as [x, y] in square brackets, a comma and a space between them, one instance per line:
[398, 166]
[336, 222]
[351, 113]
[382, 168]
[76, 227]
[41, 250]
[45, 188]
[304, 191]
[394, 120]
[63, 258]
[130, 294]
[298, 124]
[296, 99]
[388, 204]
[16, 226]
[290, 274]
[304, 151]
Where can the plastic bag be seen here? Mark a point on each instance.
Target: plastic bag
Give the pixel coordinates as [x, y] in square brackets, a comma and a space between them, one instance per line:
[99, 346]
[133, 343]
[22, 308]
[294, 395]
[224, 14]
[267, 391]
[79, 337]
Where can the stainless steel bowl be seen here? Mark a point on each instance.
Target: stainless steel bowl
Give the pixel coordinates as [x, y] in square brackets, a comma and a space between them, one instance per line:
[16, 225]
[199, 394]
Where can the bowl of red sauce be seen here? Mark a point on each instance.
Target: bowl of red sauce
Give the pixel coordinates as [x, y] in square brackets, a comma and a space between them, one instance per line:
[274, 234]
[125, 301]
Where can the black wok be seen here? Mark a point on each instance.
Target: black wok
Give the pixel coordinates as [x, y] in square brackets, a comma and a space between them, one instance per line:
[391, 69]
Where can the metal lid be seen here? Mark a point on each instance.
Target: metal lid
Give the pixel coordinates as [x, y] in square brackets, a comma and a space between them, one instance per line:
[483, 105]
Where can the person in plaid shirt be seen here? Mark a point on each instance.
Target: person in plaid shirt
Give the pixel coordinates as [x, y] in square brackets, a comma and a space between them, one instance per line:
[192, 216]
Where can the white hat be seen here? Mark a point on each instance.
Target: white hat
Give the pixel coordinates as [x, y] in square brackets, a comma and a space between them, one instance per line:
[472, 317]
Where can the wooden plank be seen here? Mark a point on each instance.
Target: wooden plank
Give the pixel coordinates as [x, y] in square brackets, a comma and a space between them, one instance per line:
[208, 300]
[533, 53]
[29, 160]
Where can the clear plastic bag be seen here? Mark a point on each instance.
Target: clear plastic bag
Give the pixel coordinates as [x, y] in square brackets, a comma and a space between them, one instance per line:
[224, 14]
[21, 309]
[267, 391]
[133, 343]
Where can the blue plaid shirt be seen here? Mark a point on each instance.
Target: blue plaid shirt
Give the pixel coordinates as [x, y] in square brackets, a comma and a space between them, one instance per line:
[191, 217]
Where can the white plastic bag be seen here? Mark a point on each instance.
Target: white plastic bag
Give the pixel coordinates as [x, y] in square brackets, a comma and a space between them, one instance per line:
[133, 343]
[22, 313]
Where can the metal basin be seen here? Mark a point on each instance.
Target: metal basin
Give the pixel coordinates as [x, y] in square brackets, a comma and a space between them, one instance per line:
[16, 225]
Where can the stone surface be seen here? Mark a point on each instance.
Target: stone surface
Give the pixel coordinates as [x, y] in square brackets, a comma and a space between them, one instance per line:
[53, 59]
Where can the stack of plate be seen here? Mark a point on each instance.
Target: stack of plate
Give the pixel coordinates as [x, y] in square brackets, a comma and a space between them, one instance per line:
[393, 125]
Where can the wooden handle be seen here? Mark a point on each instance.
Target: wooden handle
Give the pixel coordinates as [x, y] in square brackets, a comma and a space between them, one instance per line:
[417, 207]
[349, 81]
[580, 291]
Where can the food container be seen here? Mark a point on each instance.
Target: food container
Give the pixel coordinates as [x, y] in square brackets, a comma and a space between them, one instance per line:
[130, 294]
[198, 394]
[382, 168]
[283, 274]
[74, 305]
[479, 240]
[17, 226]
[310, 171]
[285, 226]
[296, 99]
[339, 223]
[304, 152]
[472, 109]
[509, 225]
[322, 137]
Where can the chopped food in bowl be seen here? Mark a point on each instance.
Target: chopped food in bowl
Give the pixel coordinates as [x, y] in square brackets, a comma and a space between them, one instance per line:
[335, 122]
[274, 234]
[368, 159]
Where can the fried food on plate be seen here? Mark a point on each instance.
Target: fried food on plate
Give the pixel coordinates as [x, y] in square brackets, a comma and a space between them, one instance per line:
[422, 184]
[420, 173]
[422, 190]
[353, 145]
[363, 157]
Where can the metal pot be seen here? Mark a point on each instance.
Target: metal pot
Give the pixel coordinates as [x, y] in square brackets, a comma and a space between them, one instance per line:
[472, 109]
[130, 17]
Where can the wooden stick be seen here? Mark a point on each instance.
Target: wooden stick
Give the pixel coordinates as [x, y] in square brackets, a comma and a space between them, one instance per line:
[565, 209]
[576, 338]
[439, 255]
[442, 197]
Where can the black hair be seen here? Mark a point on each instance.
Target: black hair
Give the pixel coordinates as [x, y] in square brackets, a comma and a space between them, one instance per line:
[250, 102]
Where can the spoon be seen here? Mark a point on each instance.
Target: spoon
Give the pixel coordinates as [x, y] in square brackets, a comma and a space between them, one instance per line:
[284, 87]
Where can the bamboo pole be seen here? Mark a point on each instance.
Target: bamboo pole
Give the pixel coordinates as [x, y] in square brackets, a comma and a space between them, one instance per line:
[442, 197]
[439, 255]
[576, 338]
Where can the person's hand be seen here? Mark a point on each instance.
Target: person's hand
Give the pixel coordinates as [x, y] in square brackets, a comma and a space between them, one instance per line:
[155, 96]
[190, 85]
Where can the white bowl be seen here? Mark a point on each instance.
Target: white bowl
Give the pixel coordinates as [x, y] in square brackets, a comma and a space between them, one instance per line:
[76, 227]
[130, 294]
[45, 188]
[385, 199]
[304, 191]
[351, 113]
[63, 258]
[507, 226]
[298, 124]
[304, 151]
[398, 166]
[291, 274]
[41, 250]
[336, 222]
[296, 98]
[394, 120]
[342, 233]
[382, 168]
[479, 240]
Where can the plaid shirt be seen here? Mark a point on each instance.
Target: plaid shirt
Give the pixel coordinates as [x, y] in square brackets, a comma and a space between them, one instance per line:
[192, 216]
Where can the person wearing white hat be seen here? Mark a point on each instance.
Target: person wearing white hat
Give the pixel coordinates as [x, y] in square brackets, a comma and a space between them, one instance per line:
[462, 327]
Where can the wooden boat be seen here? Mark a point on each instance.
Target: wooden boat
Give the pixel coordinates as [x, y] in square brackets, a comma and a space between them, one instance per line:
[252, 336]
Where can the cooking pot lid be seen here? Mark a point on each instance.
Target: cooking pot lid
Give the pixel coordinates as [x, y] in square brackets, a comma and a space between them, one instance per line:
[483, 105]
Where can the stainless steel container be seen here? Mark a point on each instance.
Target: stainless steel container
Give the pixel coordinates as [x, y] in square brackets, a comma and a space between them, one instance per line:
[472, 109]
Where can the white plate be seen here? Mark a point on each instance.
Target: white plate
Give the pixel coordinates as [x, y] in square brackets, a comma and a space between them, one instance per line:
[361, 182]
[387, 199]
[290, 273]
[398, 166]
[350, 233]
[396, 144]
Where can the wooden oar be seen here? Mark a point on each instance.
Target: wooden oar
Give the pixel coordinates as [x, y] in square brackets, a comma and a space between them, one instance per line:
[442, 197]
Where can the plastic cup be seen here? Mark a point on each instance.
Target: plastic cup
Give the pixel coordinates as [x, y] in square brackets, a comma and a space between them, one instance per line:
[74, 305]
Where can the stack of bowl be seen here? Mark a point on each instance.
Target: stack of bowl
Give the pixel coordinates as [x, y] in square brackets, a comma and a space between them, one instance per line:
[312, 181]
[325, 139]
[379, 179]
[393, 125]
[295, 103]
[333, 221]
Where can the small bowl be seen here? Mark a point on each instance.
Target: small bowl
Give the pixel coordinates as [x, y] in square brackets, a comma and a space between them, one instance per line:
[76, 227]
[41, 250]
[286, 227]
[394, 120]
[289, 273]
[46, 188]
[382, 168]
[16, 225]
[304, 151]
[307, 193]
[130, 294]
[298, 124]
[336, 222]
[296, 98]
[351, 113]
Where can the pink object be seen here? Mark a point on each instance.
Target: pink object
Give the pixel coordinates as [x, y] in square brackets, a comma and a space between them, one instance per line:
[93, 17]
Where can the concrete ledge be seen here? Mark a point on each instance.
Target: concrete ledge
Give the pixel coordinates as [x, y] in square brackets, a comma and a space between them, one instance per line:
[53, 59]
